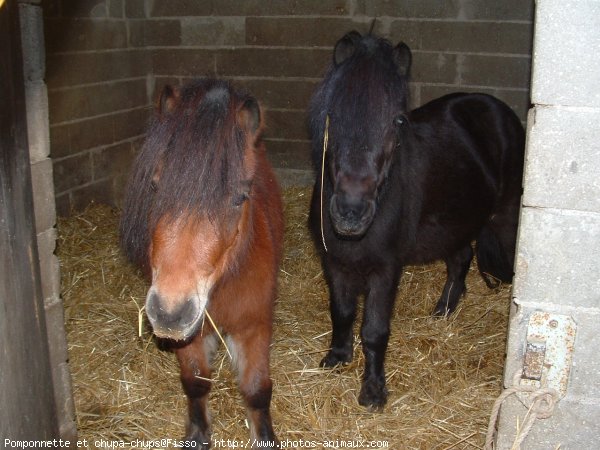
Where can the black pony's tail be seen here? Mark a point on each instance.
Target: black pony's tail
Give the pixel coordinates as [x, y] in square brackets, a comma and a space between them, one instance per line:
[494, 264]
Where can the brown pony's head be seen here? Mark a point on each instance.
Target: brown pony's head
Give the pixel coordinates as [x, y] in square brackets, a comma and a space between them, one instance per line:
[187, 213]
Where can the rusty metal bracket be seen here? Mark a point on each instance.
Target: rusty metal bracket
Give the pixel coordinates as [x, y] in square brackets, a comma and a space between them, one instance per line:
[548, 352]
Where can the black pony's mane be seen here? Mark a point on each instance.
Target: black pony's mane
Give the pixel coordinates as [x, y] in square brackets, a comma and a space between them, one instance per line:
[190, 164]
[361, 95]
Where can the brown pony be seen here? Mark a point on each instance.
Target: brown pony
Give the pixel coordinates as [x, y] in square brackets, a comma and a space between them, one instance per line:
[203, 219]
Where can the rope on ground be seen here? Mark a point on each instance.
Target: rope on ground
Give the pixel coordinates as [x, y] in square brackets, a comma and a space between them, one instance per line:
[539, 403]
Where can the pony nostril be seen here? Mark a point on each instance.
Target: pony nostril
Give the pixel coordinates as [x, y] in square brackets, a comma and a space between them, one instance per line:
[153, 310]
[351, 218]
[158, 315]
[349, 209]
[188, 310]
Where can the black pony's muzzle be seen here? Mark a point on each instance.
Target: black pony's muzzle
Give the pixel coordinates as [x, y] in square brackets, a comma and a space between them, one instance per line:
[351, 216]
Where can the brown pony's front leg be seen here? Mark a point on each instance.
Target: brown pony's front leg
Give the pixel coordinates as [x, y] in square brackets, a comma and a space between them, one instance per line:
[252, 360]
[194, 364]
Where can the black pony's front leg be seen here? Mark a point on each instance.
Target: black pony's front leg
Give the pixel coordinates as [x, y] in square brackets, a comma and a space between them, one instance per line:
[194, 364]
[344, 289]
[375, 333]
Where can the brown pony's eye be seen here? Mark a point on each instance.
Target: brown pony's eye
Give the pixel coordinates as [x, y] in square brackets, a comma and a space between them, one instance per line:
[244, 194]
[239, 199]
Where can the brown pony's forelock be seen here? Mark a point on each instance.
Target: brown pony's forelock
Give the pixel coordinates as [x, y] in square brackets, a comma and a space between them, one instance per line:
[191, 163]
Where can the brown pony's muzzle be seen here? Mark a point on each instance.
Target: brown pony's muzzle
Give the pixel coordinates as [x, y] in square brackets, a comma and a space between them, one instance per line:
[179, 322]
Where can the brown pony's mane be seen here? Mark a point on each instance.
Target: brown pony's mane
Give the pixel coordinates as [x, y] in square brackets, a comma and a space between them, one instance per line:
[190, 164]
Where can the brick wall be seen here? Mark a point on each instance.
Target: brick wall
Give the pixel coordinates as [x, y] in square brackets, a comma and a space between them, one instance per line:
[108, 58]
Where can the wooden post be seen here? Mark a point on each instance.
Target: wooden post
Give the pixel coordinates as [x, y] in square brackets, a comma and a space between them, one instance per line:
[27, 410]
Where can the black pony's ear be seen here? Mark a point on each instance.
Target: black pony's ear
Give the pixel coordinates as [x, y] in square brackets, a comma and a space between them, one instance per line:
[402, 58]
[168, 99]
[249, 115]
[345, 47]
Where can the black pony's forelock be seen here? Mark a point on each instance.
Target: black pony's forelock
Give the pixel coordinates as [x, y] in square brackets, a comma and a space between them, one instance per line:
[364, 89]
[190, 164]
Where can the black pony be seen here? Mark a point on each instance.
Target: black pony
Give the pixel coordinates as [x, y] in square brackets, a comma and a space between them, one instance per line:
[401, 188]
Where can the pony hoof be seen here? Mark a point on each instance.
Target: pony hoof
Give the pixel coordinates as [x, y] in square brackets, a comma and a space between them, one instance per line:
[373, 395]
[335, 359]
[440, 313]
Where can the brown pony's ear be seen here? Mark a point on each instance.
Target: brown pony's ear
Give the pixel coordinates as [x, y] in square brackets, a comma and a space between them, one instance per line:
[249, 116]
[156, 176]
[345, 47]
[168, 99]
[402, 58]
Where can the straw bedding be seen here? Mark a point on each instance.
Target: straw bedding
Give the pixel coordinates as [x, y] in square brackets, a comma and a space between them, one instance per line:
[443, 375]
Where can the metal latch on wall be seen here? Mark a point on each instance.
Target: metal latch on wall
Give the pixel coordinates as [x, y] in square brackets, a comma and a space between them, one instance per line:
[548, 352]
[545, 375]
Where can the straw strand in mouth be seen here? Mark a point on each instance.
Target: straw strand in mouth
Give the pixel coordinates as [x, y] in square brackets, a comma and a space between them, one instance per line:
[325, 141]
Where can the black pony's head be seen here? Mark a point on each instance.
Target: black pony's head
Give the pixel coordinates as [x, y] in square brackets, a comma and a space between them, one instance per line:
[364, 94]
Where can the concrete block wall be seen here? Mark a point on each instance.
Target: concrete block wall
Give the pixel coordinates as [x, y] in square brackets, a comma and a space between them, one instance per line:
[558, 258]
[98, 98]
[36, 100]
[108, 58]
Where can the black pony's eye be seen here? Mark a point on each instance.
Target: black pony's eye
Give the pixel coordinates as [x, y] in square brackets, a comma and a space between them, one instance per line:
[399, 120]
